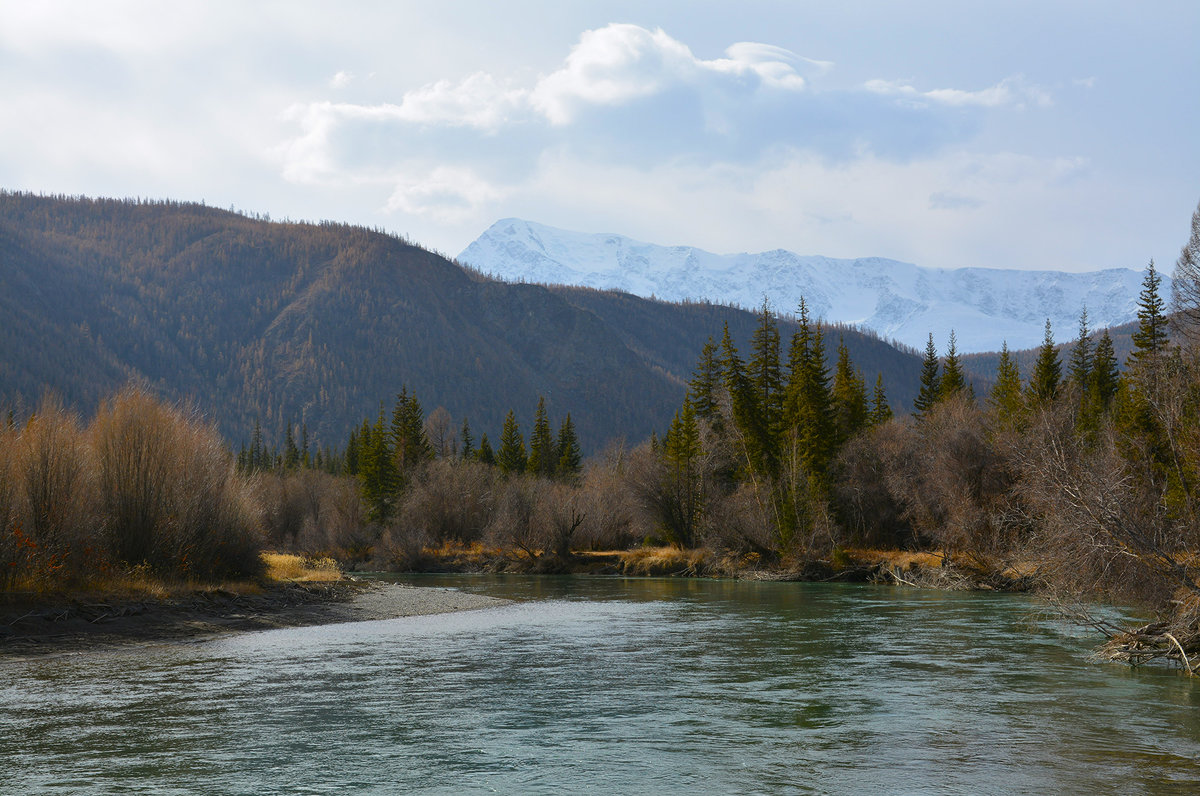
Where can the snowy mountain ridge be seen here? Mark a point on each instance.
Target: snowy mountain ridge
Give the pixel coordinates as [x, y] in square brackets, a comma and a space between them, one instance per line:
[984, 307]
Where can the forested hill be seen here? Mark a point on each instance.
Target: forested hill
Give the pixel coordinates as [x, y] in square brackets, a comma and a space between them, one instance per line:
[318, 323]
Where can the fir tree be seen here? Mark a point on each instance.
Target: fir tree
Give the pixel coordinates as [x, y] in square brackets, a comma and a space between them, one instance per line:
[1005, 399]
[930, 389]
[953, 382]
[305, 458]
[542, 459]
[881, 410]
[511, 457]
[378, 476]
[570, 457]
[1047, 372]
[747, 416]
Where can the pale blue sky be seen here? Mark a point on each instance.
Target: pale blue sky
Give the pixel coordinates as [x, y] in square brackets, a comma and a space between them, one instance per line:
[1013, 135]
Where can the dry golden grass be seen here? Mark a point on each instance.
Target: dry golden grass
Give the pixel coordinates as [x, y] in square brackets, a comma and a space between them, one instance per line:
[900, 559]
[288, 567]
[663, 560]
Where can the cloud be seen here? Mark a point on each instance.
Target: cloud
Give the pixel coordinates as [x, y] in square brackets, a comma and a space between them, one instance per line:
[341, 79]
[948, 200]
[445, 195]
[1012, 91]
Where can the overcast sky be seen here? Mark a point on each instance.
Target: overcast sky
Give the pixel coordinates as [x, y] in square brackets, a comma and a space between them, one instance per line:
[1003, 134]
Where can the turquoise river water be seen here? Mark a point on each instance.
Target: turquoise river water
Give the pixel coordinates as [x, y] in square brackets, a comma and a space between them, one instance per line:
[613, 685]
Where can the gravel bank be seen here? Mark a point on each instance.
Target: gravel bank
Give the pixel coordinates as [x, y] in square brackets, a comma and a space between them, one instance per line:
[79, 626]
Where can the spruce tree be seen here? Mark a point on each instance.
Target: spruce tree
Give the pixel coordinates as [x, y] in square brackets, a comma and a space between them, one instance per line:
[881, 410]
[410, 445]
[747, 416]
[1150, 339]
[1105, 376]
[765, 374]
[379, 479]
[1005, 399]
[705, 387]
[1079, 368]
[849, 396]
[485, 455]
[291, 453]
[570, 456]
[809, 403]
[511, 457]
[542, 459]
[468, 442]
[1047, 372]
[930, 389]
[953, 382]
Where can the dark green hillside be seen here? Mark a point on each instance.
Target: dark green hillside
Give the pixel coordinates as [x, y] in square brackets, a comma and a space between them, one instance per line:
[983, 365]
[317, 323]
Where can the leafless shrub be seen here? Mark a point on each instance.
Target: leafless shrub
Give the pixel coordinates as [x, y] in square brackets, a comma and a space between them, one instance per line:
[452, 501]
[737, 522]
[53, 494]
[868, 512]
[512, 523]
[608, 508]
[170, 496]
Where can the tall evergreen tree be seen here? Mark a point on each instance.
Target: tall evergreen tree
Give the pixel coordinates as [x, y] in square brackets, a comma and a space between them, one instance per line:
[468, 442]
[849, 396]
[766, 376]
[931, 381]
[291, 453]
[705, 387]
[1047, 371]
[570, 456]
[511, 457]
[954, 381]
[747, 416]
[1005, 399]
[1150, 339]
[410, 445]
[1079, 367]
[542, 458]
[485, 454]
[881, 410]
[808, 405]
[379, 478]
[1106, 374]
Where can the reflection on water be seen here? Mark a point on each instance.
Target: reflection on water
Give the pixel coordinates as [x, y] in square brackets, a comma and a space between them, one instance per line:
[614, 685]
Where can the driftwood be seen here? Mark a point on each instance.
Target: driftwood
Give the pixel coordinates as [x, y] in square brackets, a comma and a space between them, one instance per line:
[1156, 641]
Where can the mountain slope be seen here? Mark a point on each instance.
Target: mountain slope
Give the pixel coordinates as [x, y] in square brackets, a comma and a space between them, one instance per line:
[984, 307]
[319, 323]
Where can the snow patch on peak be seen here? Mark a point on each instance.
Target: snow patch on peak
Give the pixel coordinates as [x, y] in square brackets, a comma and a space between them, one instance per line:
[984, 307]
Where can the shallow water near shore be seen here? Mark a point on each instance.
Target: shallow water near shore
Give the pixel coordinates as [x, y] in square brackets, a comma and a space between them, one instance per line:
[614, 685]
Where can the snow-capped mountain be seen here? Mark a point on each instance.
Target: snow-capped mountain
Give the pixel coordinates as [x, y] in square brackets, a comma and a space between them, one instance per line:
[984, 307]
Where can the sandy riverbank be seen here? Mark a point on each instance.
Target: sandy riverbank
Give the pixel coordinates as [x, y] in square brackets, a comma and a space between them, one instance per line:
[80, 625]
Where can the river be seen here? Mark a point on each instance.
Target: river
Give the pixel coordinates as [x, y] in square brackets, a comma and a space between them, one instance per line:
[614, 685]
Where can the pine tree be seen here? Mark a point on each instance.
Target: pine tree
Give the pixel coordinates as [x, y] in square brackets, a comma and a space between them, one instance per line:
[849, 396]
[1150, 339]
[930, 389]
[511, 457]
[881, 410]
[305, 459]
[681, 451]
[705, 387]
[1005, 399]
[542, 459]
[953, 382]
[485, 455]
[468, 442]
[1047, 372]
[570, 457]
